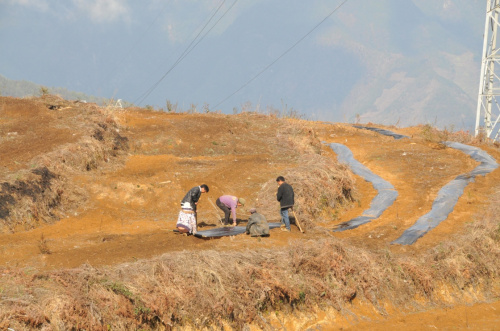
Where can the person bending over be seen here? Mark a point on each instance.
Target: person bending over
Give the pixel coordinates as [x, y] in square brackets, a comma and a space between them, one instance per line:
[187, 220]
[228, 204]
[194, 195]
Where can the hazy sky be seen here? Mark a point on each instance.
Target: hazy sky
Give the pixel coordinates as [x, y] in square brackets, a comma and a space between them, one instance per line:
[227, 54]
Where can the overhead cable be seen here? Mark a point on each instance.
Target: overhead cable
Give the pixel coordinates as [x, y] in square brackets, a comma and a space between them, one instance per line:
[152, 88]
[173, 54]
[282, 55]
[188, 49]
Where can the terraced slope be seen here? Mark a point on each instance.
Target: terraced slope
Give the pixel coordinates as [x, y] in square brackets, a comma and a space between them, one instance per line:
[102, 187]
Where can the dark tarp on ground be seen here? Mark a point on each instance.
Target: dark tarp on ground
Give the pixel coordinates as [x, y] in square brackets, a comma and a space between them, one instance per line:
[228, 231]
[448, 195]
[386, 193]
[382, 131]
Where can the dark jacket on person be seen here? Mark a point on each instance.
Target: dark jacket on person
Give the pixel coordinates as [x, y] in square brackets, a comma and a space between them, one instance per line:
[257, 225]
[285, 195]
[192, 196]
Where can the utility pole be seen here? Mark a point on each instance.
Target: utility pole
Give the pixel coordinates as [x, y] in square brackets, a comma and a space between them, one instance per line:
[488, 108]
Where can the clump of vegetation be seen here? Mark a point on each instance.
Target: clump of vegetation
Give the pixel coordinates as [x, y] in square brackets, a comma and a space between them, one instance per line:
[321, 185]
[172, 107]
[31, 199]
[434, 135]
[44, 90]
[43, 246]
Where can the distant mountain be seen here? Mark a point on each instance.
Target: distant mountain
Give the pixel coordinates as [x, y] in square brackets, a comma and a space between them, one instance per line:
[421, 60]
[22, 88]
[402, 62]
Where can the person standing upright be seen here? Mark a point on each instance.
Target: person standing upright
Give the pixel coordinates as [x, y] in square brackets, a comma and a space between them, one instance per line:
[285, 196]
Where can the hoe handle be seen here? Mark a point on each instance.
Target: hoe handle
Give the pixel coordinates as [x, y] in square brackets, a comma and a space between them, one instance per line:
[297, 221]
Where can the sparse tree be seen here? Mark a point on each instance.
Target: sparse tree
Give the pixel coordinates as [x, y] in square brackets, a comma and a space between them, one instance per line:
[206, 108]
[247, 106]
[171, 108]
[44, 90]
[358, 119]
[192, 109]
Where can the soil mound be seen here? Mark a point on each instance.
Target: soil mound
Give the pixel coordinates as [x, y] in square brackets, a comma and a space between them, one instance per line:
[44, 143]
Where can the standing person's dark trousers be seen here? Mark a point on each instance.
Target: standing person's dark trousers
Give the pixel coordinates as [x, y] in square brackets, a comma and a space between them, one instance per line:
[225, 209]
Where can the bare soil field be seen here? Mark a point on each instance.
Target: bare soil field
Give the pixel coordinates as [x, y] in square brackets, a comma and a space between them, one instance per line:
[89, 197]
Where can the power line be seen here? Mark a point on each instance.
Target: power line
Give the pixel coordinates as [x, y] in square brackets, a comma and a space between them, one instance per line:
[282, 55]
[220, 18]
[135, 43]
[188, 50]
[172, 55]
[155, 85]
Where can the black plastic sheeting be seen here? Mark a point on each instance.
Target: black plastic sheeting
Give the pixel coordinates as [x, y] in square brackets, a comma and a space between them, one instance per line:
[448, 195]
[386, 193]
[382, 131]
[228, 231]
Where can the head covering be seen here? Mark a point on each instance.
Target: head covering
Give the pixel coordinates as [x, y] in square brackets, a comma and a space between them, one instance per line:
[242, 201]
[253, 210]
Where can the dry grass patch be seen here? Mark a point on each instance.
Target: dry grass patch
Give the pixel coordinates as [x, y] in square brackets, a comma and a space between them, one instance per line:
[209, 288]
[322, 186]
[43, 194]
[43, 246]
[434, 135]
[198, 289]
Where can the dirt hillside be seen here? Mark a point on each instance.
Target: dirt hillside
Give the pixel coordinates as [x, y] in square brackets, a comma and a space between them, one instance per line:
[84, 185]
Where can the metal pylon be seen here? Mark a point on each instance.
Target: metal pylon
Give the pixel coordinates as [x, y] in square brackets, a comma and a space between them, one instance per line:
[488, 107]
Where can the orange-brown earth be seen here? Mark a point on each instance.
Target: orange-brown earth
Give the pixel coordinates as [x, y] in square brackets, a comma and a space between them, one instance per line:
[131, 201]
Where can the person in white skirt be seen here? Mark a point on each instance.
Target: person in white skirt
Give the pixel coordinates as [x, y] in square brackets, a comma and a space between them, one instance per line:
[186, 222]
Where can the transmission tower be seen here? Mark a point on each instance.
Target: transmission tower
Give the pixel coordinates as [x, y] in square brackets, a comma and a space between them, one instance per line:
[488, 108]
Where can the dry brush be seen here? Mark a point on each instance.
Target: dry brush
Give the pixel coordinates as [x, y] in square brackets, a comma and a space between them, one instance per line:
[209, 288]
[31, 197]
